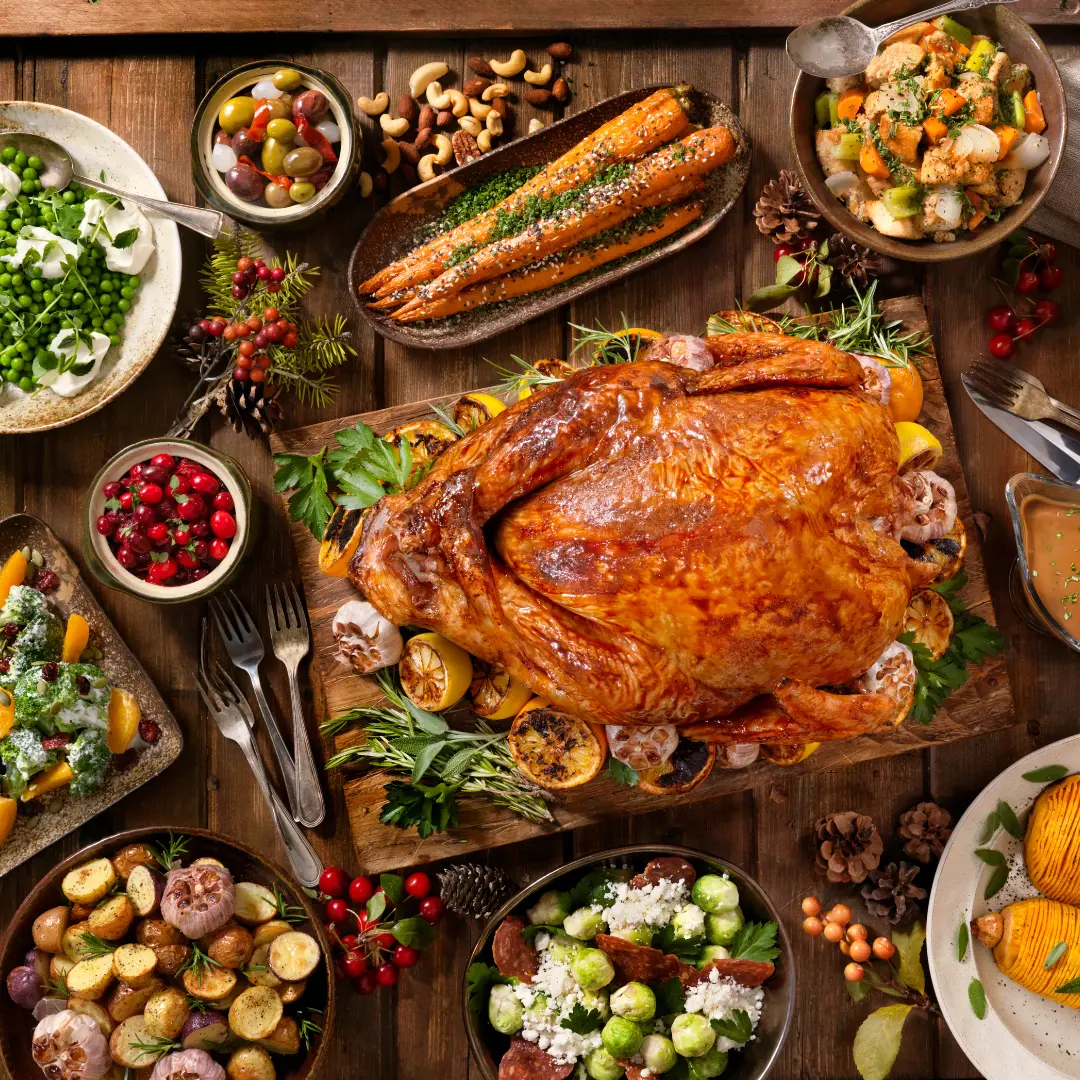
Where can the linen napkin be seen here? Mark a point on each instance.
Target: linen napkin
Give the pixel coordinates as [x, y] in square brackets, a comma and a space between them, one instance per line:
[1058, 215]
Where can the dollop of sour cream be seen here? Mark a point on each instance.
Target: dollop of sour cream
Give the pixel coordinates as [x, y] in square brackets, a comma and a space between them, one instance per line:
[10, 186]
[53, 251]
[117, 219]
[69, 384]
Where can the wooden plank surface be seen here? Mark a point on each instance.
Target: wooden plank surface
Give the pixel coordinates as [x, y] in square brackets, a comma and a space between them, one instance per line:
[127, 17]
[147, 88]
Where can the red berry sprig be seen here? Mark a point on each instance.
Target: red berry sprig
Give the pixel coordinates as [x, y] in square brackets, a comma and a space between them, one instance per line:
[1028, 266]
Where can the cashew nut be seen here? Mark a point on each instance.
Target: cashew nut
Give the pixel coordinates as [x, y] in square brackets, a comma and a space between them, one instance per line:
[494, 123]
[374, 106]
[437, 98]
[483, 141]
[535, 125]
[392, 153]
[424, 76]
[470, 124]
[513, 66]
[426, 168]
[496, 89]
[539, 78]
[445, 149]
[366, 184]
[459, 103]
[479, 109]
[395, 128]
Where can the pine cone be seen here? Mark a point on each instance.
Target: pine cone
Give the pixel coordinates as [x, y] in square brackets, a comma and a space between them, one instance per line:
[474, 890]
[892, 894]
[853, 261]
[784, 211]
[925, 827]
[848, 846]
[251, 407]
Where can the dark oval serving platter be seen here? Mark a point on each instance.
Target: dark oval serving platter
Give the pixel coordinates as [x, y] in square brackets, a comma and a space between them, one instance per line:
[397, 228]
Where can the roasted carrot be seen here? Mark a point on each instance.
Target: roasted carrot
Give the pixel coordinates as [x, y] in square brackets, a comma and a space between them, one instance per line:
[901, 139]
[872, 162]
[1034, 120]
[850, 103]
[935, 129]
[948, 103]
[978, 204]
[1007, 136]
[667, 175]
[560, 267]
[629, 136]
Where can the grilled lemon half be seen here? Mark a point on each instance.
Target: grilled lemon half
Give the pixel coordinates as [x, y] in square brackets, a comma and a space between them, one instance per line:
[554, 749]
[434, 672]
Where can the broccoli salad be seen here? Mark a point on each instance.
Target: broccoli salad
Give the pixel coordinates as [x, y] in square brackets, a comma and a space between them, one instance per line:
[61, 721]
[626, 974]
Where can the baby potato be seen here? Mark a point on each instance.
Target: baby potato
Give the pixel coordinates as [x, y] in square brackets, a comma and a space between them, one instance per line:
[209, 984]
[90, 978]
[285, 1038]
[112, 919]
[134, 964]
[59, 966]
[96, 1013]
[255, 1014]
[127, 858]
[126, 1001]
[144, 889]
[154, 932]
[74, 943]
[206, 860]
[128, 1043]
[171, 958]
[294, 956]
[81, 912]
[254, 903]
[290, 992]
[166, 1013]
[265, 932]
[258, 971]
[250, 1063]
[89, 883]
[49, 927]
[231, 946]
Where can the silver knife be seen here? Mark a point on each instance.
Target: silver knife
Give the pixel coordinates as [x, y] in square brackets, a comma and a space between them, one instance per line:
[1058, 452]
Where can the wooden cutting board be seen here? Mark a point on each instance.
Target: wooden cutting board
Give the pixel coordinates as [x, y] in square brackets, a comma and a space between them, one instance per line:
[983, 704]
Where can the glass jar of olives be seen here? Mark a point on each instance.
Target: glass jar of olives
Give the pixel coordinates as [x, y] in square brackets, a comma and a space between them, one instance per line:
[272, 144]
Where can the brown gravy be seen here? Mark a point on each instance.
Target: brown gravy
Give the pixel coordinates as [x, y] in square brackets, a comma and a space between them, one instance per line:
[1052, 542]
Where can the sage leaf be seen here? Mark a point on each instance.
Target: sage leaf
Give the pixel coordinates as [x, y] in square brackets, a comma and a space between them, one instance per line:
[1071, 987]
[1008, 820]
[991, 856]
[989, 828]
[996, 882]
[1047, 774]
[977, 998]
[877, 1042]
[909, 948]
[426, 758]
[1055, 954]
[962, 941]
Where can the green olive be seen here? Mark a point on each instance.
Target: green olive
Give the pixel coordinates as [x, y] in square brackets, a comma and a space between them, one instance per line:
[287, 79]
[274, 153]
[277, 197]
[282, 130]
[278, 109]
[301, 191]
[236, 113]
[303, 161]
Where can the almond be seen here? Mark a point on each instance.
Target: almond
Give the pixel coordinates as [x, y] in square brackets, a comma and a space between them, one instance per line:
[479, 66]
[561, 50]
[542, 99]
[408, 173]
[561, 91]
[476, 86]
[445, 119]
[408, 109]
[424, 139]
[427, 118]
[499, 106]
[465, 148]
[409, 152]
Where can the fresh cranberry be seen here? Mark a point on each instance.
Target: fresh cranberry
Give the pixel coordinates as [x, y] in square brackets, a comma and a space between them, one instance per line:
[1050, 277]
[188, 468]
[386, 974]
[219, 549]
[349, 942]
[1027, 282]
[271, 314]
[264, 273]
[241, 374]
[273, 333]
[151, 493]
[166, 509]
[163, 461]
[1001, 320]
[781, 250]
[154, 474]
[144, 515]
[158, 532]
[104, 525]
[418, 885]
[333, 881]
[431, 908]
[223, 501]
[405, 956]
[223, 524]
[337, 911]
[240, 292]
[200, 549]
[111, 490]
[355, 964]
[366, 983]
[1047, 312]
[1001, 346]
[182, 535]
[126, 500]
[360, 890]
[198, 575]
[205, 324]
[181, 577]
[136, 472]
[126, 557]
[1025, 328]
[200, 529]
[179, 484]
[149, 730]
[139, 542]
[192, 508]
[205, 484]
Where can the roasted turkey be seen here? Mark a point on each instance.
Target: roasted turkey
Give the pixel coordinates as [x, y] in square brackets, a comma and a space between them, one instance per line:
[708, 538]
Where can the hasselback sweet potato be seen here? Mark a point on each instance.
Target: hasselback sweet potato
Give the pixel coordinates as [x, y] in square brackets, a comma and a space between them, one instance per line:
[1052, 841]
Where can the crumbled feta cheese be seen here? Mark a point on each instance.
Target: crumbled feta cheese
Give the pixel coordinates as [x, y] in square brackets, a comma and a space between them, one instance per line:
[542, 941]
[644, 905]
[720, 997]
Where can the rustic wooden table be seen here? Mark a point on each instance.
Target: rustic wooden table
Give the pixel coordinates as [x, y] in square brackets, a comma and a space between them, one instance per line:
[147, 87]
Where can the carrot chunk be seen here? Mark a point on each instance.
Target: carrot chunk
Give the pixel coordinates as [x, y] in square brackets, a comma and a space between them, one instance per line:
[1034, 120]
[851, 101]
[872, 162]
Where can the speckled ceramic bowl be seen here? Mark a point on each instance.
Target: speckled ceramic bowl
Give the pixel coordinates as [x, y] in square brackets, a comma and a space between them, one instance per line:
[751, 1063]
[103, 562]
[95, 150]
[211, 183]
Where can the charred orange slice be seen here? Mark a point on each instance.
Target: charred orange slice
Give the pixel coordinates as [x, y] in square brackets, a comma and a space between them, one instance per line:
[687, 767]
[434, 672]
[495, 694]
[947, 552]
[720, 322]
[427, 439]
[788, 753]
[340, 541]
[554, 749]
[475, 410]
[930, 619]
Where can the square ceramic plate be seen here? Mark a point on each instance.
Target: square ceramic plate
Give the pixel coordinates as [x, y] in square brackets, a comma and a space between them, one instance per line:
[32, 832]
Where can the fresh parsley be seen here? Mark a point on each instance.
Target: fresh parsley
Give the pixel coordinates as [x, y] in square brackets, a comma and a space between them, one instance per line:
[430, 808]
[479, 980]
[667, 941]
[755, 941]
[737, 1028]
[581, 1021]
[306, 478]
[621, 773]
[670, 997]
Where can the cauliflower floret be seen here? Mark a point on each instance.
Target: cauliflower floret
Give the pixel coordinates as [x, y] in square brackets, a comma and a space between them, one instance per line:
[999, 68]
[981, 93]
[887, 225]
[894, 60]
[1010, 184]
[1018, 79]
[843, 82]
[943, 237]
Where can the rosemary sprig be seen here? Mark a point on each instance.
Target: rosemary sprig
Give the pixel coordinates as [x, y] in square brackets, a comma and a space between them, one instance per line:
[195, 1004]
[290, 913]
[308, 1028]
[447, 421]
[198, 963]
[603, 346]
[167, 855]
[526, 375]
[93, 946]
[58, 987]
[155, 1047]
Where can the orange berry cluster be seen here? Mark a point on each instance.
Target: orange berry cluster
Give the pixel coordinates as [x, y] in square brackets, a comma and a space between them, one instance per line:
[836, 927]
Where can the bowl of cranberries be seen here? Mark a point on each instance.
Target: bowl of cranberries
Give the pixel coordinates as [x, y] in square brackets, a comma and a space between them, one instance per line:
[168, 520]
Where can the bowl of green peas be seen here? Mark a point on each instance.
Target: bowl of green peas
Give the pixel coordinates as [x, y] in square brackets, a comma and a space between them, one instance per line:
[88, 285]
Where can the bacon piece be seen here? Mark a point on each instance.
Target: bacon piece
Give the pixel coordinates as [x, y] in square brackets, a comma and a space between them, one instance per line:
[746, 972]
[641, 963]
[526, 1061]
[665, 868]
[511, 953]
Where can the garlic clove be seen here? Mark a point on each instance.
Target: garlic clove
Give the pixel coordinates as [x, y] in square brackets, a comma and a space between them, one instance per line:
[198, 899]
[70, 1046]
[365, 640]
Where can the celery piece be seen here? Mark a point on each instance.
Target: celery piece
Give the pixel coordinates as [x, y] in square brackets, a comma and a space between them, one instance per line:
[955, 30]
[849, 146]
[822, 112]
[980, 56]
[834, 110]
[902, 202]
[1012, 108]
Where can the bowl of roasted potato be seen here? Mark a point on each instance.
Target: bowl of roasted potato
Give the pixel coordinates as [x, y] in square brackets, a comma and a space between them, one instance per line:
[165, 954]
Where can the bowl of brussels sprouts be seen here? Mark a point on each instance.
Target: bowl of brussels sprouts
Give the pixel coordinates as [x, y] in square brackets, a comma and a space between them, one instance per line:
[635, 962]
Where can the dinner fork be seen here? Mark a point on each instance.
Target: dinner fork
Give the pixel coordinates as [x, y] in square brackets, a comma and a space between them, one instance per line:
[290, 638]
[245, 648]
[232, 714]
[1020, 393]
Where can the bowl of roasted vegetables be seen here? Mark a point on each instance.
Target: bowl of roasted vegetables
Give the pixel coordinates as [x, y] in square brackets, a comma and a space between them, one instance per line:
[632, 963]
[169, 954]
[945, 143]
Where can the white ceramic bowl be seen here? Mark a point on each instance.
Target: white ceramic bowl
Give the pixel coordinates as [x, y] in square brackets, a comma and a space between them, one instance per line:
[96, 149]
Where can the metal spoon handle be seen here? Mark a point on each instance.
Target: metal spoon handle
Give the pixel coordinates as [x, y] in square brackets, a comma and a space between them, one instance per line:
[209, 223]
[886, 30]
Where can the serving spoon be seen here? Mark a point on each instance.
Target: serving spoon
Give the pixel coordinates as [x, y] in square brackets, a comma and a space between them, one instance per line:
[839, 45]
[59, 171]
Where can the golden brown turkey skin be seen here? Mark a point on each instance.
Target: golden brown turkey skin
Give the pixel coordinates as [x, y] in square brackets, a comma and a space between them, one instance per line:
[647, 544]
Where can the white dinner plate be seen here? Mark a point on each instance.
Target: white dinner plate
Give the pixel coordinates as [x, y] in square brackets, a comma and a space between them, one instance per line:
[1023, 1036]
[96, 149]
